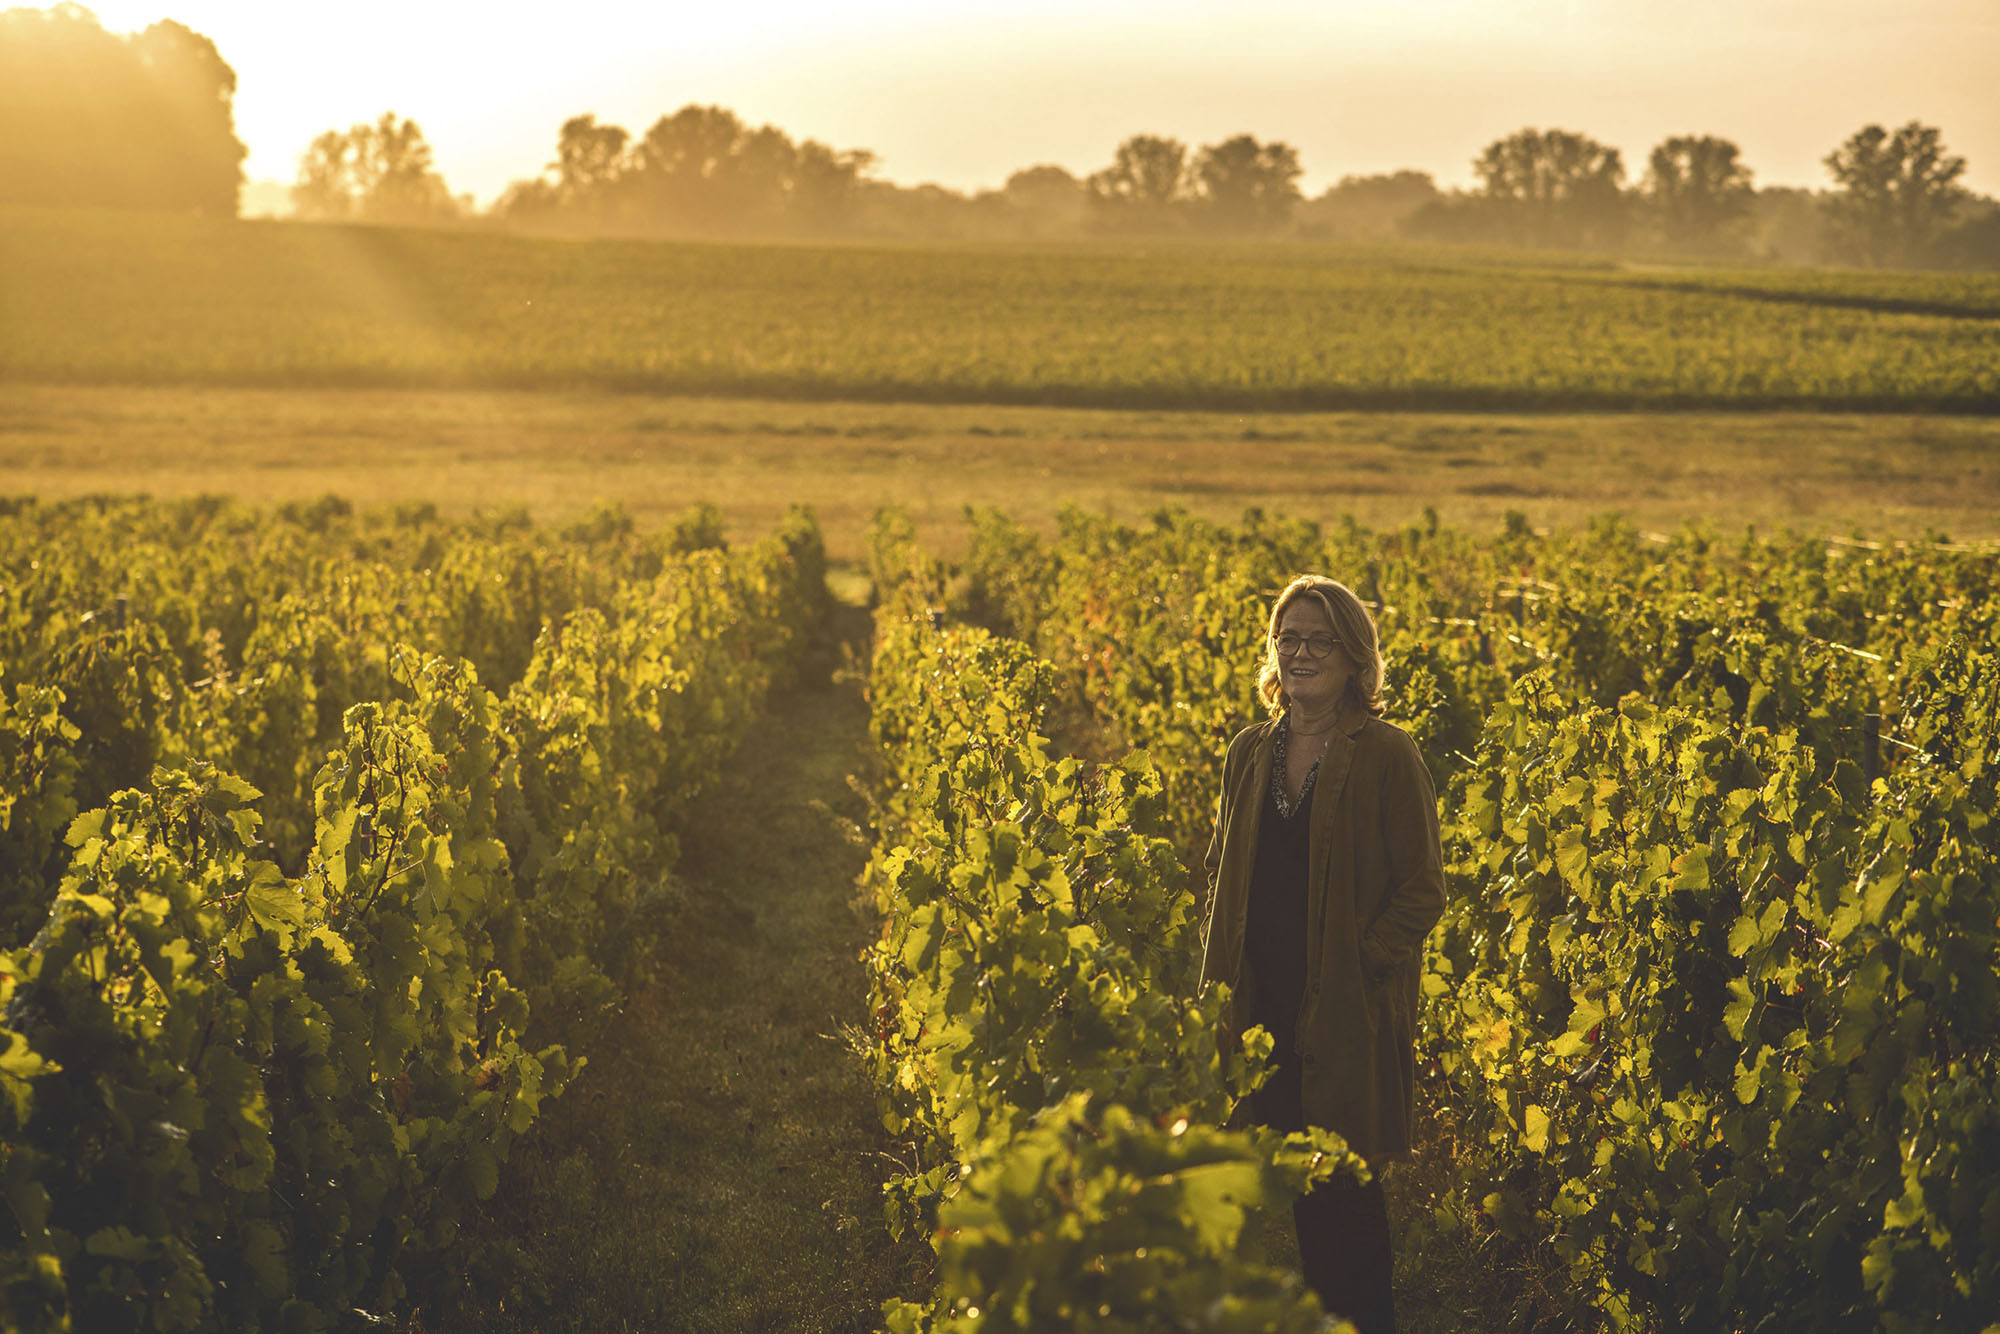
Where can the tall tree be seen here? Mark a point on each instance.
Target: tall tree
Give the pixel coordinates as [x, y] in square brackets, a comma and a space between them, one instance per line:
[1553, 188]
[827, 185]
[197, 159]
[532, 203]
[702, 169]
[91, 118]
[1049, 200]
[590, 165]
[1145, 182]
[697, 172]
[756, 189]
[380, 172]
[325, 187]
[694, 143]
[399, 177]
[1243, 186]
[1896, 192]
[1367, 208]
[1698, 190]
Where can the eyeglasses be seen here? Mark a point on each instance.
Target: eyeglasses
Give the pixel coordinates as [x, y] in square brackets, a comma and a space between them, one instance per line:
[1315, 646]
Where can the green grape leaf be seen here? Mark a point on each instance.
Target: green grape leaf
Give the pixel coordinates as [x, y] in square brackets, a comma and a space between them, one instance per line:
[1535, 1129]
[1572, 856]
[1750, 1076]
[1214, 1198]
[1691, 869]
[1736, 1014]
[274, 902]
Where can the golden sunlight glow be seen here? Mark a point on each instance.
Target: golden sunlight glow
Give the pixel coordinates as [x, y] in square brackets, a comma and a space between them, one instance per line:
[965, 93]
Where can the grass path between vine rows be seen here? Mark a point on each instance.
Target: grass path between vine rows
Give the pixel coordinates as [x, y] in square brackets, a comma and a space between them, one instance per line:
[717, 1166]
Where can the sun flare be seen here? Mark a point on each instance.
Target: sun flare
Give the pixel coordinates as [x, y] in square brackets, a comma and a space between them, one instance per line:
[963, 94]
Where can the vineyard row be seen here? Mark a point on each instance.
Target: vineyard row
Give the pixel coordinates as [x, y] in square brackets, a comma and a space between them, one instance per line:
[1711, 1016]
[328, 843]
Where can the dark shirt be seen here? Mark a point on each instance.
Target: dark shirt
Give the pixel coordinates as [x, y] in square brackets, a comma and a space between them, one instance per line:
[1274, 948]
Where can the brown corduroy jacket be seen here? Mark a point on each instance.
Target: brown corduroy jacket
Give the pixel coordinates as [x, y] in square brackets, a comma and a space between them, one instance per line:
[1377, 886]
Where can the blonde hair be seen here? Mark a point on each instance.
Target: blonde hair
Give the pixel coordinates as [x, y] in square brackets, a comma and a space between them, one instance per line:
[1355, 629]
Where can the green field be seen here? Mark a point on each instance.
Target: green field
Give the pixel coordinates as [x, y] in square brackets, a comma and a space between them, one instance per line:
[101, 298]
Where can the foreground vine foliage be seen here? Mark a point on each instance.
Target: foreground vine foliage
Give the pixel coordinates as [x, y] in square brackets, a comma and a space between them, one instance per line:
[1037, 1040]
[330, 841]
[1713, 1016]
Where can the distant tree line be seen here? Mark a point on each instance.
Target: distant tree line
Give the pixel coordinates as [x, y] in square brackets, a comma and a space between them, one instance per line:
[380, 172]
[1896, 197]
[1896, 201]
[698, 172]
[703, 172]
[88, 117]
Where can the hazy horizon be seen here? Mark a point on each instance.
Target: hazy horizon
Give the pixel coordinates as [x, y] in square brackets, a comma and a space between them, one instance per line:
[962, 95]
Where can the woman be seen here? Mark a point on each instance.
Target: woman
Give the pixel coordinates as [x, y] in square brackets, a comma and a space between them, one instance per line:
[1325, 873]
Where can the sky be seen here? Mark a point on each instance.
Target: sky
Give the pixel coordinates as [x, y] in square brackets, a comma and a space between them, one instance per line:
[964, 92]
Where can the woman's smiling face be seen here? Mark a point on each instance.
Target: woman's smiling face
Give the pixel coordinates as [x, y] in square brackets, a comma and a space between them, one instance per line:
[1315, 684]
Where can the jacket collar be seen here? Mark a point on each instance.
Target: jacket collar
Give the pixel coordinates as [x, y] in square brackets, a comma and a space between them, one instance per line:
[1350, 728]
[1266, 754]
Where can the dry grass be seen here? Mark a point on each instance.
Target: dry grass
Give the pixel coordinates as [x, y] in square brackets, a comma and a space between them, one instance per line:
[561, 453]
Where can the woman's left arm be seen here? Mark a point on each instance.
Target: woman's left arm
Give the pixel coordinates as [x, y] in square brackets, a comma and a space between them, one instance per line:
[1416, 863]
